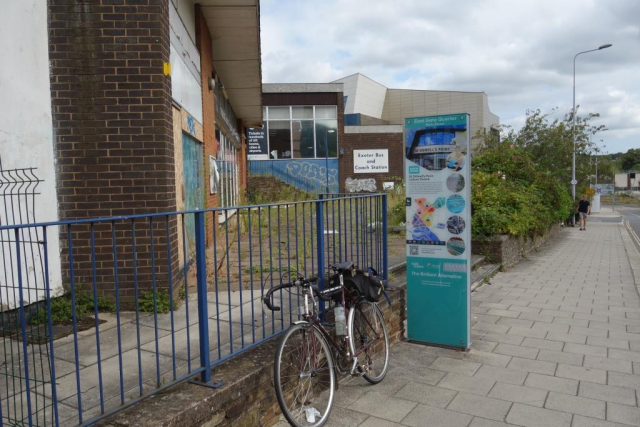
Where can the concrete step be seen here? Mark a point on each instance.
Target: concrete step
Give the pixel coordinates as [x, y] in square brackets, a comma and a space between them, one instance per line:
[482, 275]
[476, 260]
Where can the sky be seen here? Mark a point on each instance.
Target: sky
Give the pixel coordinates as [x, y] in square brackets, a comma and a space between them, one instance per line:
[520, 52]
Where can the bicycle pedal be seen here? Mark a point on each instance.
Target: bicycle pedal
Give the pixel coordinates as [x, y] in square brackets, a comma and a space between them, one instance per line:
[355, 368]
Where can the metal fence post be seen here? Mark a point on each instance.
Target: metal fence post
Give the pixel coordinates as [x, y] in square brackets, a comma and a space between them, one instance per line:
[23, 326]
[203, 312]
[320, 249]
[385, 245]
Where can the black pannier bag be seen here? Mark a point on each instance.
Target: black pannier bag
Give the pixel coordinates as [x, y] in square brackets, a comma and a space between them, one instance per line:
[367, 285]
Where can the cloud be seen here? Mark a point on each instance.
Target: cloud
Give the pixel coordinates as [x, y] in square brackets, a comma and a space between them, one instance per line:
[519, 53]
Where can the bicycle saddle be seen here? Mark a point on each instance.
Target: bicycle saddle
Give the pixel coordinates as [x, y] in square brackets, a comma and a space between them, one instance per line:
[347, 265]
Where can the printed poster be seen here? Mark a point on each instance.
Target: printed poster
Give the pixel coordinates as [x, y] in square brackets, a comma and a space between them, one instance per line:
[438, 221]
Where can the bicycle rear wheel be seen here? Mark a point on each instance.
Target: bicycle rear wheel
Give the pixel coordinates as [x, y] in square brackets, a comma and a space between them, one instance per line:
[369, 340]
[304, 377]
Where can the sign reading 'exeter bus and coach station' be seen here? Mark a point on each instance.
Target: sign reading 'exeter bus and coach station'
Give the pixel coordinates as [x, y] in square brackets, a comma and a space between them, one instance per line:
[370, 161]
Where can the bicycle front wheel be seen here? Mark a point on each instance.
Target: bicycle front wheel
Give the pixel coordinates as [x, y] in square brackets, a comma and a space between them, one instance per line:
[369, 340]
[304, 377]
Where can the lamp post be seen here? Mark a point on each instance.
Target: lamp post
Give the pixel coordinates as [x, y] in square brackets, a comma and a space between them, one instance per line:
[573, 131]
[326, 156]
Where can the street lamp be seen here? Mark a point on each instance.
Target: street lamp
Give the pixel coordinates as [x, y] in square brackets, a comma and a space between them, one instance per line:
[326, 155]
[573, 131]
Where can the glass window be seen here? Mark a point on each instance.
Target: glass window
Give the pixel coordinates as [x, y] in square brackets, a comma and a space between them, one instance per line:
[302, 135]
[299, 131]
[279, 139]
[326, 112]
[302, 112]
[227, 163]
[264, 113]
[279, 113]
[325, 137]
[344, 101]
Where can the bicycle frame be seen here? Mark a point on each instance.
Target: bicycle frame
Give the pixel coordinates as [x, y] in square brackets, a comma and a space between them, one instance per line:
[314, 320]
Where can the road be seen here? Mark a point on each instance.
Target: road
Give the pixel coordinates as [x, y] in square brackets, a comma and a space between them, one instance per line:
[631, 218]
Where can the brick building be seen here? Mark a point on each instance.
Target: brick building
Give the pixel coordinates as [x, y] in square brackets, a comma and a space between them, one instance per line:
[366, 141]
[149, 100]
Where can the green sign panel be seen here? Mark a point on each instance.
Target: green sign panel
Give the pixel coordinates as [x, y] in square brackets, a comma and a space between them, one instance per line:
[438, 209]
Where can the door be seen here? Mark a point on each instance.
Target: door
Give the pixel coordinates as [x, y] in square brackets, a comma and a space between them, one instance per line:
[193, 168]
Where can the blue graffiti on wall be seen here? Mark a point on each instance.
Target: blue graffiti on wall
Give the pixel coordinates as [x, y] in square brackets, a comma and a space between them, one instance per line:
[313, 172]
[191, 125]
[305, 174]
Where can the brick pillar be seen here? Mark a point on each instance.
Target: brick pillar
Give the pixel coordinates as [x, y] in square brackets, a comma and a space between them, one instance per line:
[112, 123]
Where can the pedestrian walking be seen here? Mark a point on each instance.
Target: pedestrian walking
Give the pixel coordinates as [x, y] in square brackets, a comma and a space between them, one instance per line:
[584, 209]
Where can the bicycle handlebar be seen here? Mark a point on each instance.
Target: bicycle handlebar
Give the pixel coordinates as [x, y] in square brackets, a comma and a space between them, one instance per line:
[299, 282]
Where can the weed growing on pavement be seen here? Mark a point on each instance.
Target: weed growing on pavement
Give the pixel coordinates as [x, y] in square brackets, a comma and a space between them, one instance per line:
[62, 308]
[163, 303]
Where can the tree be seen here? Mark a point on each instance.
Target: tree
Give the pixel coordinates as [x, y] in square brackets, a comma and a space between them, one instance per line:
[549, 144]
[607, 170]
[512, 194]
[630, 159]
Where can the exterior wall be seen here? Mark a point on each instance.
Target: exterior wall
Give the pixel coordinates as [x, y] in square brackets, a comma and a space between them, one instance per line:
[112, 122]
[401, 103]
[203, 42]
[349, 88]
[371, 96]
[383, 137]
[489, 119]
[304, 174]
[365, 96]
[187, 12]
[26, 137]
[185, 61]
[371, 121]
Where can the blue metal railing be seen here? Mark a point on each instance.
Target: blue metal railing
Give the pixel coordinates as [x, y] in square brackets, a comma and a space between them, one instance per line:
[153, 300]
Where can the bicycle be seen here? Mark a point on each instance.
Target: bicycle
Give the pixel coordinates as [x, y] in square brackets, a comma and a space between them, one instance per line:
[304, 368]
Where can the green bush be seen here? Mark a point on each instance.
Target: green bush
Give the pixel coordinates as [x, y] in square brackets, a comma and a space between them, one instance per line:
[396, 204]
[513, 195]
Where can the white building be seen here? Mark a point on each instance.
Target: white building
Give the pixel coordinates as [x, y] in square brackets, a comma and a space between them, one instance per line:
[26, 149]
[368, 102]
[629, 181]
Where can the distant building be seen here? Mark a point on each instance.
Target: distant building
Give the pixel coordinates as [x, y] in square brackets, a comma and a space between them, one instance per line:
[367, 102]
[629, 181]
[359, 119]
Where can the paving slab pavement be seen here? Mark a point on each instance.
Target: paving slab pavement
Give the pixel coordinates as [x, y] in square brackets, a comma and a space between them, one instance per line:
[555, 343]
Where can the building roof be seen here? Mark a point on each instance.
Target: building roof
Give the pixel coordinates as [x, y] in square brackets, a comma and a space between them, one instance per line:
[235, 33]
[392, 88]
[301, 87]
